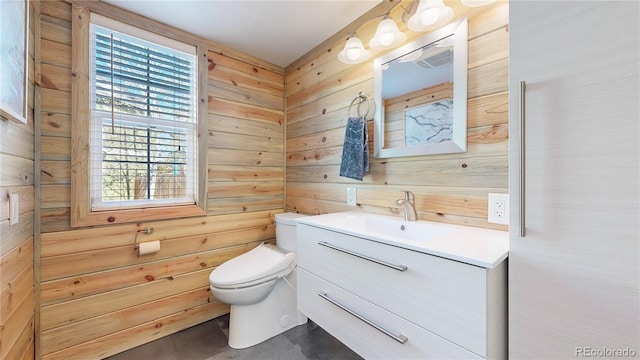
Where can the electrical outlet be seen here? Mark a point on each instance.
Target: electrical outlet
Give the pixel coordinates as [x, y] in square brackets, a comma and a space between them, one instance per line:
[499, 209]
[14, 208]
[352, 196]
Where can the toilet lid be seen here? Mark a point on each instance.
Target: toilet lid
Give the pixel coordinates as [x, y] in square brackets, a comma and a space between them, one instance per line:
[263, 263]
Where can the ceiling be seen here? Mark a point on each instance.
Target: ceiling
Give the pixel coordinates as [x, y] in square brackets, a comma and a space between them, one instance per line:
[278, 31]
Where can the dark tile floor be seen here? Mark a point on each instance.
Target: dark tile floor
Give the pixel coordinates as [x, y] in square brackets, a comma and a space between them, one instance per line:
[208, 341]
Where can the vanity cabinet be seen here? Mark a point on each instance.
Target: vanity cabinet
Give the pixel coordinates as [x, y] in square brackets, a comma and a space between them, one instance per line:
[574, 276]
[389, 302]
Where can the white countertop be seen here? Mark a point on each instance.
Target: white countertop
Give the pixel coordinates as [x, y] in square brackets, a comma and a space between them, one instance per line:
[476, 246]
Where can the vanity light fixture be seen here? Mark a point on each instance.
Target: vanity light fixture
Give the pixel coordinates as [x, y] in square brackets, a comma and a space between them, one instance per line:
[353, 52]
[387, 35]
[430, 15]
[421, 15]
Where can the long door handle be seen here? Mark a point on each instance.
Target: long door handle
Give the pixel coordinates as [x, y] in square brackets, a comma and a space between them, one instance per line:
[397, 337]
[523, 89]
[365, 257]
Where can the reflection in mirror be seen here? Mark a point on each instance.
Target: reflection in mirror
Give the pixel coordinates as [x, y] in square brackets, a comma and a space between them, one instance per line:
[420, 95]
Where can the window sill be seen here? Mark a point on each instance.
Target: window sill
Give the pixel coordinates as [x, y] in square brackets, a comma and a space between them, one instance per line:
[135, 215]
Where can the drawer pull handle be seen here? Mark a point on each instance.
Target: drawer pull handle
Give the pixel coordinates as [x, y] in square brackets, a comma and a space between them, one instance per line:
[399, 338]
[365, 257]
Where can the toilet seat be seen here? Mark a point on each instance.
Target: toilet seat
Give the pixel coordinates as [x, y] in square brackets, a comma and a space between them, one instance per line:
[259, 265]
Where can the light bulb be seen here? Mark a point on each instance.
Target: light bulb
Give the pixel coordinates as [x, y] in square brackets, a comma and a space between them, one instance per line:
[387, 35]
[386, 32]
[353, 48]
[353, 53]
[429, 16]
[386, 39]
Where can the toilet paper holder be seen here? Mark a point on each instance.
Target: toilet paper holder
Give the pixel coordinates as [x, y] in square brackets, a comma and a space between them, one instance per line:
[149, 249]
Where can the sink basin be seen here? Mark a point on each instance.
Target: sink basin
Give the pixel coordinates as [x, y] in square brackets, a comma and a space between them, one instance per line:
[475, 246]
[410, 230]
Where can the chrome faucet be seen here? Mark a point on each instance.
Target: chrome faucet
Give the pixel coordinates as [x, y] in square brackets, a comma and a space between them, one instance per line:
[408, 206]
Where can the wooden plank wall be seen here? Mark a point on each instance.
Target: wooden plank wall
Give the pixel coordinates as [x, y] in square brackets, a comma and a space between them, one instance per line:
[97, 297]
[449, 188]
[17, 291]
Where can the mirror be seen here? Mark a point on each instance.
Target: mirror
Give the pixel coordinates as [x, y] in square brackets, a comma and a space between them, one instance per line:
[421, 96]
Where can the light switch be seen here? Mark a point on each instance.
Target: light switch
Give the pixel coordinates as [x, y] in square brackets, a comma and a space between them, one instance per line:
[14, 208]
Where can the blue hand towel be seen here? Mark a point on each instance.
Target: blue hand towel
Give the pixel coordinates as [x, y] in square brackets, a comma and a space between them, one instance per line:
[355, 153]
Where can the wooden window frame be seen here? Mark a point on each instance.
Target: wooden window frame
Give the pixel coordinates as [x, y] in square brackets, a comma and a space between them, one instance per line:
[81, 213]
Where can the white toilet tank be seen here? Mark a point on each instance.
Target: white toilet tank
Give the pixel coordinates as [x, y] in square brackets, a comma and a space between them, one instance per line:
[286, 231]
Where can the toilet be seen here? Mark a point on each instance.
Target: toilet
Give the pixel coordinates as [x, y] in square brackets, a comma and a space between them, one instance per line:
[259, 286]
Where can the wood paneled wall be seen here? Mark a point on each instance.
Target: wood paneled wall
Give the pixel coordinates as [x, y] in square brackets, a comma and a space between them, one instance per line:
[97, 296]
[449, 188]
[17, 290]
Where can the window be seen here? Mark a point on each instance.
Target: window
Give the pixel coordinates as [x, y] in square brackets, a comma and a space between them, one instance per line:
[143, 118]
[142, 135]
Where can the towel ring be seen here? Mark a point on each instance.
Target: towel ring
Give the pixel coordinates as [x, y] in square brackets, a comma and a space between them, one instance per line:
[362, 97]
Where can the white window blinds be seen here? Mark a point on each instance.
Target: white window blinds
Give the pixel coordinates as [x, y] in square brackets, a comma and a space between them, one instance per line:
[143, 122]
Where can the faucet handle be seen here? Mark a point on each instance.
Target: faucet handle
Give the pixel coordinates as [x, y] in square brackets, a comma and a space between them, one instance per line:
[408, 195]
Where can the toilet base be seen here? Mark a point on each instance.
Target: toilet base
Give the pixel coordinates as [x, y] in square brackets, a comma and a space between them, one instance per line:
[250, 325]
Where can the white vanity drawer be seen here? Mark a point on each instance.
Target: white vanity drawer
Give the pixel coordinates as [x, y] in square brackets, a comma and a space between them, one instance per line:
[446, 297]
[363, 337]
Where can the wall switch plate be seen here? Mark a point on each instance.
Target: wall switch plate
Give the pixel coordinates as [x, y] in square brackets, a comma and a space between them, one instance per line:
[352, 196]
[14, 208]
[499, 208]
